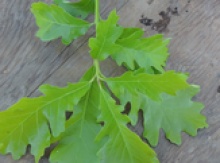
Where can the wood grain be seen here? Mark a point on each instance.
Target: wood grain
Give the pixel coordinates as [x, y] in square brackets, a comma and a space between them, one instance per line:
[26, 63]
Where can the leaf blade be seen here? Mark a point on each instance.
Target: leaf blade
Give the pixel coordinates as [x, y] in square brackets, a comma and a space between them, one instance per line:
[54, 22]
[78, 9]
[22, 126]
[173, 114]
[128, 47]
[107, 33]
[123, 145]
[135, 52]
[80, 133]
[149, 84]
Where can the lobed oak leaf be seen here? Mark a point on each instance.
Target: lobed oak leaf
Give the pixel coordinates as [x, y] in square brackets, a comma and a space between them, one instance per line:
[122, 144]
[106, 34]
[34, 120]
[151, 85]
[77, 143]
[134, 51]
[128, 47]
[173, 114]
[55, 22]
[165, 100]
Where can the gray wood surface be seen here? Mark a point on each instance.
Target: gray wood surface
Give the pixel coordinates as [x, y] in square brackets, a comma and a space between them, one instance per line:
[26, 63]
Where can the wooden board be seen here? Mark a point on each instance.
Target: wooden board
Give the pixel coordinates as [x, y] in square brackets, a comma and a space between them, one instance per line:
[26, 63]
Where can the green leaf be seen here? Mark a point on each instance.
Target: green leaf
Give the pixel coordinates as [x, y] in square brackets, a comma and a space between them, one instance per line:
[135, 52]
[151, 85]
[123, 145]
[106, 35]
[78, 144]
[78, 9]
[31, 120]
[173, 114]
[54, 22]
[127, 46]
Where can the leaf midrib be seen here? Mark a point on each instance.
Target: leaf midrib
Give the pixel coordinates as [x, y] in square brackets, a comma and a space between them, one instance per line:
[65, 24]
[118, 125]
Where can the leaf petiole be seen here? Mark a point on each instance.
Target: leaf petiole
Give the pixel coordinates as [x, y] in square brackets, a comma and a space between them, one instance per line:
[98, 75]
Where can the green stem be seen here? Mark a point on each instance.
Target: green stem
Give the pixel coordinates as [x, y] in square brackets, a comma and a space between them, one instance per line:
[97, 18]
[97, 67]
